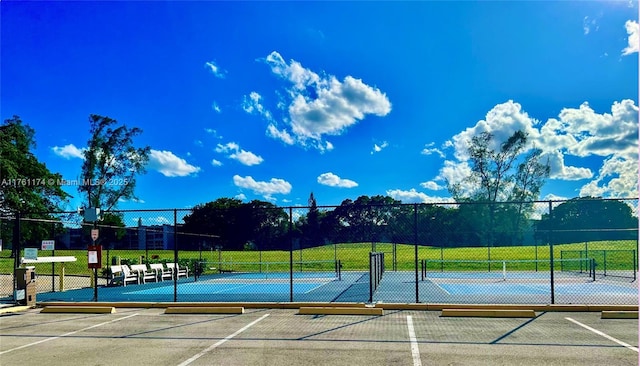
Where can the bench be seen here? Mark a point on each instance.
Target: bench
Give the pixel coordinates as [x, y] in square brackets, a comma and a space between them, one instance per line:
[177, 271]
[121, 275]
[162, 271]
[144, 273]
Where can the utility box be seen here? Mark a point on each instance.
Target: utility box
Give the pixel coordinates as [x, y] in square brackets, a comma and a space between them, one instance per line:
[26, 286]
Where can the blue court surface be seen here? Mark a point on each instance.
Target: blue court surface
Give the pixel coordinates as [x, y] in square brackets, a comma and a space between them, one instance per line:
[531, 289]
[229, 288]
[352, 286]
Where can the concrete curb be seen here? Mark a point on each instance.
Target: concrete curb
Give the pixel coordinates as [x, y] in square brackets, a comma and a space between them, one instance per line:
[385, 306]
[204, 310]
[619, 315]
[488, 313]
[14, 309]
[79, 309]
[340, 311]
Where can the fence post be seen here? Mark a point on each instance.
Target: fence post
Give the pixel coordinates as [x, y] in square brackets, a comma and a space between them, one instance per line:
[550, 238]
[415, 240]
[290, 254]
[175, 254]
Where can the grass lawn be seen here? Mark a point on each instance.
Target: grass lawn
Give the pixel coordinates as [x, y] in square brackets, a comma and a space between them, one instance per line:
[354, 256]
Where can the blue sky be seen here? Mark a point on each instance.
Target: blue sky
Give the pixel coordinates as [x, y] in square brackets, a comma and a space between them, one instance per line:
[275, 100]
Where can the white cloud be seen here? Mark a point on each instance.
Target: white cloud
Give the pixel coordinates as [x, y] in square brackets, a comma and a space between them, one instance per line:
[413, 196]
[230, 146]
[240, 196]
[618, 177]
[246, 157]
[215, 69]
[431, 185]
[215, 162]
[234, 152]
[634, 37]
[429, 149]
[216, 107]
[320, 106]
[332, 180]
[577, 132]
[170, 165]
[253, 105]
[69, 151]
[378, 148]
[588, 23]
[282, 135]
[558, 169]
[266, 189]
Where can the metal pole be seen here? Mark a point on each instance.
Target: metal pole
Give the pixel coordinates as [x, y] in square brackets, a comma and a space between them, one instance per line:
[550, 238]
[175, 254]
[53, 264]
[415, 240]
[291, 254]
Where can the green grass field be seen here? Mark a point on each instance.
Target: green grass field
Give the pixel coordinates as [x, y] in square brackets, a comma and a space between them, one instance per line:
[353, 256]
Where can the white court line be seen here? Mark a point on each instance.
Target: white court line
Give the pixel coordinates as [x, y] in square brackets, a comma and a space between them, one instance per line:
[415, 351]
[214, 346]
[441, 288]
[66, 334]
[604, 335]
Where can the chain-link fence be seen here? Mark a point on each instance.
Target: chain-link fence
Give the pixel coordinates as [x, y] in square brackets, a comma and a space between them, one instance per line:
[574, 251]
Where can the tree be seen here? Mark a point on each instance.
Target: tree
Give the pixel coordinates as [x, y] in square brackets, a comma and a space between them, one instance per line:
[111, 163]
[364, 219]
[28, 186]
[495, 177]
[236, 223]
[589, 219]
[312, 228]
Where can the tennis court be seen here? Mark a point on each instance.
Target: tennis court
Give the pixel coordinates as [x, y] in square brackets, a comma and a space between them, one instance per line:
[284, 337]
[354, 286]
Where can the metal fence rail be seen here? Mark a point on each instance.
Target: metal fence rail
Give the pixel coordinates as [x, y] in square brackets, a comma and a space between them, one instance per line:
[336, 254]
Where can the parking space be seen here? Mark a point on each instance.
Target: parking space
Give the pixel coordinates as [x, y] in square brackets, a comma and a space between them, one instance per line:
[282, 337]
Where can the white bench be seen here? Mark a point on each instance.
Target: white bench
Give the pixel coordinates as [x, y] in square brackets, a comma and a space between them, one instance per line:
[122, 274]
[144, 273]
[177, 271]
[162, 271]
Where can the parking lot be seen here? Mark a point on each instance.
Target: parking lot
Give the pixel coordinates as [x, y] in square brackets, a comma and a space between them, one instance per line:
[283, 337]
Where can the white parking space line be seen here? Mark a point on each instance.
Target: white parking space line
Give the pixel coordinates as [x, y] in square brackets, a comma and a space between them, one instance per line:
[415, 351]
[67, 334]
[604, 335]
[220, 342]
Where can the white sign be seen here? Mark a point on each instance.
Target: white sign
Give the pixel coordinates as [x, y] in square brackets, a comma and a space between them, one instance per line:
[48, 245]
[94, 234]
[93, 257]
[31, 253]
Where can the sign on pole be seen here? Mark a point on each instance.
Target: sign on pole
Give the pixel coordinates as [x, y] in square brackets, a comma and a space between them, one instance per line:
[48, 245]
[94, 234]
[30, 253]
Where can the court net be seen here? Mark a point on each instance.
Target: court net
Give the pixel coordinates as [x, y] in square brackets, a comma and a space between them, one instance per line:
[582, 268]
[608, 262]
[283, 269]
[376, 270]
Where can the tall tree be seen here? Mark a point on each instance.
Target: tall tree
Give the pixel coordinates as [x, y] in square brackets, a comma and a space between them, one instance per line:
[111, 163]
[497, 177]
[27, 185]
[312, 229]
